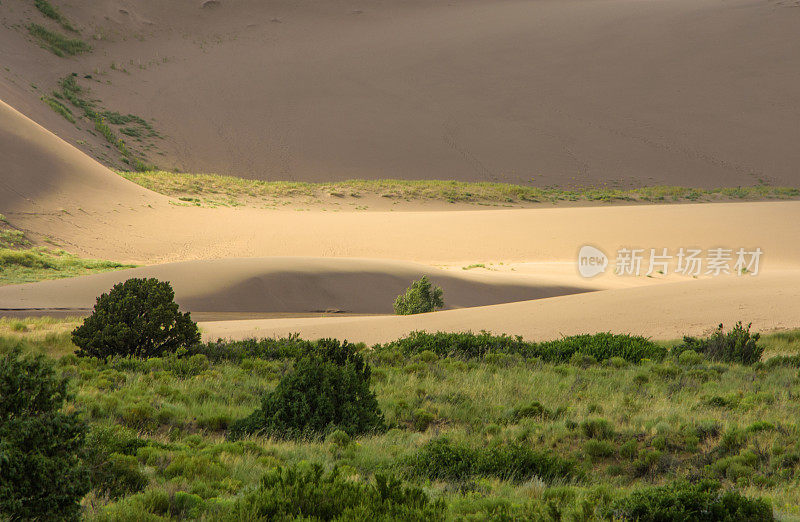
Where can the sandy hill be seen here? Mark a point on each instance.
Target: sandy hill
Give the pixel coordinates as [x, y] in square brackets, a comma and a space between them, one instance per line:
[51, 189]
[287, 285]
[555, 91]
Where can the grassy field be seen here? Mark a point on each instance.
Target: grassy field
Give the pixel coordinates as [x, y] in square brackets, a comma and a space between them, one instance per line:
[217, 190]
[623, 426]
[21, 263]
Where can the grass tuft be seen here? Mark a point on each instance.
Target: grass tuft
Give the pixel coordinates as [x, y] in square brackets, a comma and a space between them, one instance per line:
[58, 44]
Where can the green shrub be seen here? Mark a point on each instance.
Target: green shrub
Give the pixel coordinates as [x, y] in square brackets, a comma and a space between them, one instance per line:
[310, 494]
[328, 389]
[111, 457]
[737, 345]
[237, 351]
[421, 297]
[683, 501]
[598, 449]
[60, 108]
[42, 475]
[600, 347]
[138, 318]
[441, 459]
[597, 429]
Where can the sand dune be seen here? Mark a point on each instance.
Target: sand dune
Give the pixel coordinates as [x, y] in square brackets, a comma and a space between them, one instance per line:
[51, 190]
[554, 91]
[287, 285]
[666, 311]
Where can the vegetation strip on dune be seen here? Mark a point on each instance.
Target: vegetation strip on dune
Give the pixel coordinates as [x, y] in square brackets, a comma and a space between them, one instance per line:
[214, 189]
[22, 263]
[433, 426]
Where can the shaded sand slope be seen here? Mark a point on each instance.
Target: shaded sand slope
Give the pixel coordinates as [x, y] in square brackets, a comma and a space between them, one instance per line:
[42, 174]
[692, 92]
[663, 312]
[287, 285]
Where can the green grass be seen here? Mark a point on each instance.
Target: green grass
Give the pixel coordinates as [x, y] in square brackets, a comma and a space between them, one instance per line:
[625, 426]
[38, 264]
[52, 12]
[58, 44]
[59, 108]
[217, 189]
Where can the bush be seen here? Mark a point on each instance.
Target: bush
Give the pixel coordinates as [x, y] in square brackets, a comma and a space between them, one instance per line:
[41, 473]
[328, 389]
[601, 347]
[421, 297]
[737, 345]
[111, 456]
[441, 459]
[136, 318]
[310, 494]
[682, 501]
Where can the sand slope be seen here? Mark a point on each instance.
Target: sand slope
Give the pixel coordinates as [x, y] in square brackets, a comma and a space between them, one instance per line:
[663, 312]
[692, 92]
[288, 285]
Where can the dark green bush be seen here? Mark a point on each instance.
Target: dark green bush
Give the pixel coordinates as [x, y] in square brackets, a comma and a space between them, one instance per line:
[737, 345]
[328, 389]
[421, 297]
[236, 351]
[441, 459]
[42, 476]
[310, 494]
[684, 501]
[138, 318]
[601, 347]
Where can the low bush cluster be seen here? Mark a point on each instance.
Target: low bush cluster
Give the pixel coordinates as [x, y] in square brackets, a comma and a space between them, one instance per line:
[737, 346]
[704, 501]
[601, 347]
[308, 493]
[442, 459]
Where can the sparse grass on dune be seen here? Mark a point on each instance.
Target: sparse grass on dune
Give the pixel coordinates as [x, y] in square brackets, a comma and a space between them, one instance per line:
[214, 189]
[38, 264]
[625, 426]
[58, 44]
[19, 263]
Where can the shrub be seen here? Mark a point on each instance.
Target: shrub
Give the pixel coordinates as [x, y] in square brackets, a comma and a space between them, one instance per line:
[441, 459]
[111, 456]
[579, 348]
[41, 473]
[681, 501]
[597, 429]
[310, 494]
[328, 389]
[136, 318]
[237, 351]
[737, 345]
[421, 297]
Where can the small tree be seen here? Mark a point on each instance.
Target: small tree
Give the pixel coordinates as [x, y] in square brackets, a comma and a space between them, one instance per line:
[138, 317]
[420, 297]
[42, 476]
[327, 390]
